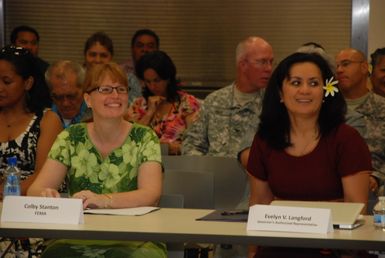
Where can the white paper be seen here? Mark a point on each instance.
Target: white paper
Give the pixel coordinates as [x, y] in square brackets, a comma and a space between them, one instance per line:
[127, 211]
[42, 210]
[289, 219]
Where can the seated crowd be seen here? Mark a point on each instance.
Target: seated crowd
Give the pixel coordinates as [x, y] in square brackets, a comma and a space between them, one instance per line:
[100, 125]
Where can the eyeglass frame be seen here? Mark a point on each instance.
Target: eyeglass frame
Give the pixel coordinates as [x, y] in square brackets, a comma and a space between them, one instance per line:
[62, 97]
[111, 89]
[262, 62]
[347, 63]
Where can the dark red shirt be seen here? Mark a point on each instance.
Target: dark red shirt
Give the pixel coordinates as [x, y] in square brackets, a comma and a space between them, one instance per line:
[316, 175]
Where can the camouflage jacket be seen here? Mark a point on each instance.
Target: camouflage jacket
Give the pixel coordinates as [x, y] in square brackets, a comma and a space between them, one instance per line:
[223, 126]
[369, 119]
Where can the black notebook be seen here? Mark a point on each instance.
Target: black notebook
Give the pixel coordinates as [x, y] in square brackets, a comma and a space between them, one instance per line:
[230, 215]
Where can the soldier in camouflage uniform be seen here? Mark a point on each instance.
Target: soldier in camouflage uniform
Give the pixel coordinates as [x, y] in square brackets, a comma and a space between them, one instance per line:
[229, 116]
[365, 109]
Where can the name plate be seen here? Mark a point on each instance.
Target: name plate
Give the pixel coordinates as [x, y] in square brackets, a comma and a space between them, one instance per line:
[42, 210]
[289, 219]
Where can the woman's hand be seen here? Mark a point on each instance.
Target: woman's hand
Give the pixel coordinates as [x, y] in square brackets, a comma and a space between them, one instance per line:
[93, 200]
[50, 192]
[174, 148]
[154, 102]
[191, 118]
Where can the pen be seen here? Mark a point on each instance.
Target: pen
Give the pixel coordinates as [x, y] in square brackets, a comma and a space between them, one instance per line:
[229, 213]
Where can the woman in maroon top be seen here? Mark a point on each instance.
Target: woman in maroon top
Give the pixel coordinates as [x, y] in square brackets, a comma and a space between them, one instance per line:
[303, 150]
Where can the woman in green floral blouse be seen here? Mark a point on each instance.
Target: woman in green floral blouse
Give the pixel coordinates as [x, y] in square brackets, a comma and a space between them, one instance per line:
[108, 163]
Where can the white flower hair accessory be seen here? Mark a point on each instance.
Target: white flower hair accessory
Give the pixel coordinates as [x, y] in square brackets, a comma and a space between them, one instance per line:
[329, 87]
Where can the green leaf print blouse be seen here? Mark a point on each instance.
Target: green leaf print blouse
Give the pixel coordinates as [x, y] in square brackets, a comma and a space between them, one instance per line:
[118, 172]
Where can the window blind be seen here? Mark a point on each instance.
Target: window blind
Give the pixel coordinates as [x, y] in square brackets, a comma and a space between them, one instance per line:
[199, 35]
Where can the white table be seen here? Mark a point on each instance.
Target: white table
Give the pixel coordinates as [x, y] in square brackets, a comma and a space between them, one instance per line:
[180, 225]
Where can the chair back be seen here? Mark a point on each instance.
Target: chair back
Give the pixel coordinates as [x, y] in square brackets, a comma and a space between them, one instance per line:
[164, 148]
[220, 178]
[171, 201]
[195, 187]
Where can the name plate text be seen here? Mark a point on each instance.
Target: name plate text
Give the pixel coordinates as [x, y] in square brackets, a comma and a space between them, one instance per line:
[289, 219]
[42, 210]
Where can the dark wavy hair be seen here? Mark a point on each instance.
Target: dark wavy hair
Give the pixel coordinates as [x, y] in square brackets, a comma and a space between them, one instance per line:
[23, 28]
[376, 55]
[103, 39]
[274, 125]
[148, 32]
[24, 63]
[162, 64]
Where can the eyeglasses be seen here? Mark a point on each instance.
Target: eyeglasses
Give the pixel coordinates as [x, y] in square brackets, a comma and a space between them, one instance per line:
[61, 98]
[106, 89]
[17, 51]
[262, 62]
[346, 63]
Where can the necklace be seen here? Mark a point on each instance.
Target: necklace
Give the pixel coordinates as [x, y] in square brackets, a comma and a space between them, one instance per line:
[306, 146]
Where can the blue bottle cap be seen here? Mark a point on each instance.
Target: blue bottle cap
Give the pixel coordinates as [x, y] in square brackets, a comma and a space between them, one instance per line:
[12, 161]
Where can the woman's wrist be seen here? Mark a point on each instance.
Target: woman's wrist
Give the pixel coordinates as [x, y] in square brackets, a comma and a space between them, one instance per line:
[107, 201]
[150, 113]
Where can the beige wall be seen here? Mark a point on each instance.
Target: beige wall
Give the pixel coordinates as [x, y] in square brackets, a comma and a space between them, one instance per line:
[376, 34]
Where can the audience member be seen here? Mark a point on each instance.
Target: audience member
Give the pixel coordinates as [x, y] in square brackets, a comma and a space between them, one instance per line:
[27, 37]
[377, 76]
[65, 80]
[365, 108]
[98, 49]
[302, 137]
[312, 47]
[109, 163]
[309, 48]
[143, 41]
[27, 129]
[229, 116]
[164, 107]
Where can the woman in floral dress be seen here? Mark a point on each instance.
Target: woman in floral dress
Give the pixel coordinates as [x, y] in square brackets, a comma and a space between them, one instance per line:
[163, 107]
[108, 162]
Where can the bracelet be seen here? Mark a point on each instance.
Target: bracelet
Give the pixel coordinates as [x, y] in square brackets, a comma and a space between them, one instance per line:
[107, 203]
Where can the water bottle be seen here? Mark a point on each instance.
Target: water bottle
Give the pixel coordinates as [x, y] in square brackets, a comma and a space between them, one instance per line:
[11, 178]
[379, 213]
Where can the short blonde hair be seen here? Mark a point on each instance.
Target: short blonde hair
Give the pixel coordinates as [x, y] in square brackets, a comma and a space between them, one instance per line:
[247, 45]
[98, 72]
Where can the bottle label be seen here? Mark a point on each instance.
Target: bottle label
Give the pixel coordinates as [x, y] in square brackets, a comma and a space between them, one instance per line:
[379, 219]
[12, 186]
